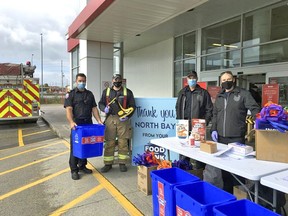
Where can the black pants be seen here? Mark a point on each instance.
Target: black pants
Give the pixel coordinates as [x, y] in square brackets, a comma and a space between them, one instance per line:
[74, 162]
[228, 180]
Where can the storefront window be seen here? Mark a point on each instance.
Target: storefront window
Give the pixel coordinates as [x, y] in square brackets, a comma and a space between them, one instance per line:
[211, 62]
[189, 45]
[188, 66]
[265, 40]
[185, 58]
[265, 25]
[178, 48]
[266, 54]
[177, 77]
[221, 61]
[221, 37]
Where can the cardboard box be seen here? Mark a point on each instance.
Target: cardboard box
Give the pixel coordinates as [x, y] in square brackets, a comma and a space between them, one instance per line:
[144, 180]
[240, 192]
[209, 147]
[271, 145]
[198, 131]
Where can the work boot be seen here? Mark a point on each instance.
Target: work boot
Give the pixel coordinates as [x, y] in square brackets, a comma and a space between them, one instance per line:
[106, 168]
[75, 175]
[123, 167]
[85, 170]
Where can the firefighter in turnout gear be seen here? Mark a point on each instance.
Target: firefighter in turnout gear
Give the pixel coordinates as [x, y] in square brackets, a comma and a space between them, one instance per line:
[119, 105]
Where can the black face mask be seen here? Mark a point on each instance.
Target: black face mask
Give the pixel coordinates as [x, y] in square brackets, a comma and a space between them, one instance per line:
[117, 84]
[227, 84]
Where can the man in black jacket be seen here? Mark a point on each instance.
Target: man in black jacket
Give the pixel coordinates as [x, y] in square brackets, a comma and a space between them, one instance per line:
[229, 117]
[194, 102]
[80, 105]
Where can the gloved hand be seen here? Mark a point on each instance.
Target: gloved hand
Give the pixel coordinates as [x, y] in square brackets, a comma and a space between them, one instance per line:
[123, 119]
[214, 136]
[106, 109]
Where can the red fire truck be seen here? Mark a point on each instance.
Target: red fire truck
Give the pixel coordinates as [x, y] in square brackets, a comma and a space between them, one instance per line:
[19, 92]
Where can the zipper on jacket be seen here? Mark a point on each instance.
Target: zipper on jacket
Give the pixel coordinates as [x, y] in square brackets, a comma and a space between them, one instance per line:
[224, 122]
[191, 106]
[183, 107]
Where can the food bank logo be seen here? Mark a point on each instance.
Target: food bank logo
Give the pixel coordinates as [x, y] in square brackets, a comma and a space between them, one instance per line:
[160, 152]
[92, 139]
[161, 199]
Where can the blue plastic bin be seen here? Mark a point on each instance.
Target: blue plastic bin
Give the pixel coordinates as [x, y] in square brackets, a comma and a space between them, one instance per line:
[198, 198]
[88, 140]
[242, 207]
[163, 183]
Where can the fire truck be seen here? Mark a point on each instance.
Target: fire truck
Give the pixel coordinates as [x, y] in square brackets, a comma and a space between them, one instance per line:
[19, 92]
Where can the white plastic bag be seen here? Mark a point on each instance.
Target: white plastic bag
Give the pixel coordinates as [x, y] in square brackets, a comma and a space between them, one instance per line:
[213, 175]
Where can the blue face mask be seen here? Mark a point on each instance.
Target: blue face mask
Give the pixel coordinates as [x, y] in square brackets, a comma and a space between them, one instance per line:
[81, 85]
[192, 82]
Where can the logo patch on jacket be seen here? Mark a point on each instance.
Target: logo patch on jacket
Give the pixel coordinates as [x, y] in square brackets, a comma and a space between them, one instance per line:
[236, 97]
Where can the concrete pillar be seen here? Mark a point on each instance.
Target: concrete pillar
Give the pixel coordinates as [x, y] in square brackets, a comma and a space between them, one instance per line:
[96, 61]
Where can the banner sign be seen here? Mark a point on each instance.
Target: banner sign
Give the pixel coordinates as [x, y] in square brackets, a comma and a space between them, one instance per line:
[154, 118]
[213, 91]
[270, 93]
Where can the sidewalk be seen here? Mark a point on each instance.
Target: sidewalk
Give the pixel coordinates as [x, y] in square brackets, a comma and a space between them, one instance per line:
[126, 183]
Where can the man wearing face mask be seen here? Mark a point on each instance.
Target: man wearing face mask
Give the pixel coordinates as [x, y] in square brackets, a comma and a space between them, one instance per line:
[194, 102]
[119, 105]
[80, 106]
[229, 117]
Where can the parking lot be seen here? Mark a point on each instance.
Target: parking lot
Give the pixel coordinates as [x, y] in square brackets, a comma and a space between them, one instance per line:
[13, 134]
[35, 177]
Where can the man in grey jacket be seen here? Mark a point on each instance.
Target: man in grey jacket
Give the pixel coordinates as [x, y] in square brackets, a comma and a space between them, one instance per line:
[229, 117]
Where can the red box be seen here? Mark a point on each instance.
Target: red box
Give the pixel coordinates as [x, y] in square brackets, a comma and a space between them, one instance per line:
[198, 131]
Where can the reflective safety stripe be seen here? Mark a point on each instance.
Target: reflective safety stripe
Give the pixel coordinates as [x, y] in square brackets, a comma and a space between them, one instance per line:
[108, 92]
[122, 157]
[125, 97]
[124, 93]
[108, 158]
[249, 120]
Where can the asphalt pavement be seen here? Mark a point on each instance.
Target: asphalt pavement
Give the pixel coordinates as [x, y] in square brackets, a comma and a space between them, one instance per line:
[125, 188]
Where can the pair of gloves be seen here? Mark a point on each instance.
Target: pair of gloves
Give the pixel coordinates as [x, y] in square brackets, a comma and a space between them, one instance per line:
[214, 136]
[107, 109]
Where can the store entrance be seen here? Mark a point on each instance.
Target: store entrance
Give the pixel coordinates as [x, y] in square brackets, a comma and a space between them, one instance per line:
[253, 83]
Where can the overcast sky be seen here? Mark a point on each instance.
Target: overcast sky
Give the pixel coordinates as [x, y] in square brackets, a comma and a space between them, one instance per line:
[22, 22]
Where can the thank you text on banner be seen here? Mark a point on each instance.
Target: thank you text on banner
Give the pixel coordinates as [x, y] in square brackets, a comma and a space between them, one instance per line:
[154, 118]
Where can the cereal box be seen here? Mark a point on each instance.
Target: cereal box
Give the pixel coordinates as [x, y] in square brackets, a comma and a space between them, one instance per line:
[182, 129]
[198, 130]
